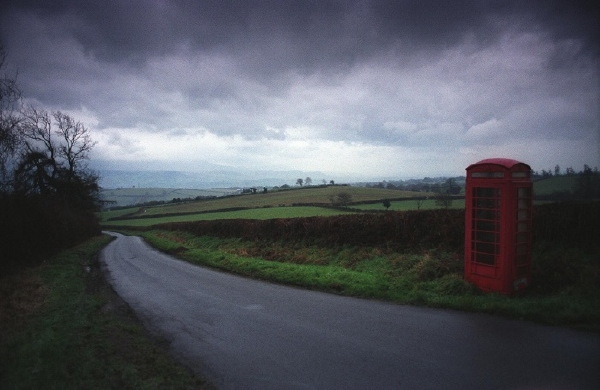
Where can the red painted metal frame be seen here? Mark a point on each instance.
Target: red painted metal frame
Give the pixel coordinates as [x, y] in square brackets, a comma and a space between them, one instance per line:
[498, 204]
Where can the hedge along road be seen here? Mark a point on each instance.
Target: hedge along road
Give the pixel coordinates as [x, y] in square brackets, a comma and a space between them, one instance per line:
[246, 334]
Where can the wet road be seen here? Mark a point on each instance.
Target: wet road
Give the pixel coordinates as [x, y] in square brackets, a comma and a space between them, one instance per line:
[246, 334]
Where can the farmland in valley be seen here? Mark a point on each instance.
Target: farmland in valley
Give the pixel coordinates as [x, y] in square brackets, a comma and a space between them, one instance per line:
[310, 201]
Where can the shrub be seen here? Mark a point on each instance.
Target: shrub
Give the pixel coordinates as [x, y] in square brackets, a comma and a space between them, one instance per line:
[33, 228]
[410, 229]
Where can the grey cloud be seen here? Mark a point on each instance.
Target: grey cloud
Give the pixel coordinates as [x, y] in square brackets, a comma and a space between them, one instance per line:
[400, 73]
[270, 36]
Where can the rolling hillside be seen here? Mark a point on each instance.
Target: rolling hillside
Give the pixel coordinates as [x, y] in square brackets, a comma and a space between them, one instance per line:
[275, 204]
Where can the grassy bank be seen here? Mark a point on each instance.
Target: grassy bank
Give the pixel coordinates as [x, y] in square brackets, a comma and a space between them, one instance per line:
[430, 278]
[62, 327]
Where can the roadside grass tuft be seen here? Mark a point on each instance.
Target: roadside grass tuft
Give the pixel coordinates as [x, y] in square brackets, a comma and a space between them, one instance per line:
[67, 330]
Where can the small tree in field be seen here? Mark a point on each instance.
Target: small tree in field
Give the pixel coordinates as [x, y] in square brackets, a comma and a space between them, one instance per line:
[341, 199]
[444, 201]
[387, 204]
[419, 203]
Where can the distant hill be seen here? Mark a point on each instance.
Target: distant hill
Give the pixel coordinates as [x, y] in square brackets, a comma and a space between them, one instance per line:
[120, 197]
[112, 179]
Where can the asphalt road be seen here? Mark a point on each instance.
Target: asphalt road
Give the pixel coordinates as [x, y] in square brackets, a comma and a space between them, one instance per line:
[247, 334]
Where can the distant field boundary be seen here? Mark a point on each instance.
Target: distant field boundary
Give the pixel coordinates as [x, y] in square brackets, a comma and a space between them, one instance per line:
[133, 216]
[137, 215]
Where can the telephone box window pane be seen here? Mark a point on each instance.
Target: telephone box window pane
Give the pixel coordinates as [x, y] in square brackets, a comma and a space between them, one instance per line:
[483, 247]
[522, 259]
[488, 175]
[523, 215]
[522, 249]
[486, 203]
[522, 227]
[486, 192]
[486, 236]
[522, 237]
[524, 192]
[487, 222]
[485, 258]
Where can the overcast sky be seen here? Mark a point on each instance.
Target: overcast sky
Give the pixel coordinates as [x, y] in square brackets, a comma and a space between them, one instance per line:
[373, 88]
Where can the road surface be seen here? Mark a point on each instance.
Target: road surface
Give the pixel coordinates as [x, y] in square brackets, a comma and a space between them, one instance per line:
[247, 334]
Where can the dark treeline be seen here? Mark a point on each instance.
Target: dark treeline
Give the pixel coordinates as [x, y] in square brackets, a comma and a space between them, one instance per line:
[47, 193]
[586, 184]
[438, 185]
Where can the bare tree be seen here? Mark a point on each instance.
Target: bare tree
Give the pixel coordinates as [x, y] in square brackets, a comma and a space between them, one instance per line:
[36, 127]
[56, 148]
[308, 181]
[77, 142]
[10, 98]
[300, 182]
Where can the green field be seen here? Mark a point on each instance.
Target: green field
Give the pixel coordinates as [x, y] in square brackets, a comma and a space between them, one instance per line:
[264, 205]
[555, 184]
[275, 204]
[311, 195]
[404, 205]
[260, 213]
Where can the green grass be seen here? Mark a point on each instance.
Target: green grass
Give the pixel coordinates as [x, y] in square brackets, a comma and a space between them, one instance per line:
[555, 184]
[266, 206]
[298, 196]
[404, 205]
[429, 278]
[309, 195]
[57, 332]
[261, 213]
[106, 215]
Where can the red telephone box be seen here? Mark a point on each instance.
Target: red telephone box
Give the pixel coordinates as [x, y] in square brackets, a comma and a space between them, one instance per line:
[498, 204]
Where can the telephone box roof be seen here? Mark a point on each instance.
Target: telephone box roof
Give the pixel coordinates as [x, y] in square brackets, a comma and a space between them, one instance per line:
[504, 162]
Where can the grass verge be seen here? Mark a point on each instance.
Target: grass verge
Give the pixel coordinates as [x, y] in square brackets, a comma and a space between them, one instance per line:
[429, 278]
[62, 326]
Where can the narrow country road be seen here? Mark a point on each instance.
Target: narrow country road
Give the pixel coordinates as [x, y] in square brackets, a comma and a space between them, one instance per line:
[246, 334]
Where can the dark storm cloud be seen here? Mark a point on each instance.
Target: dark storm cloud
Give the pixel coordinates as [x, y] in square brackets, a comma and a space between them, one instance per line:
[278, 35]
[428, 78]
